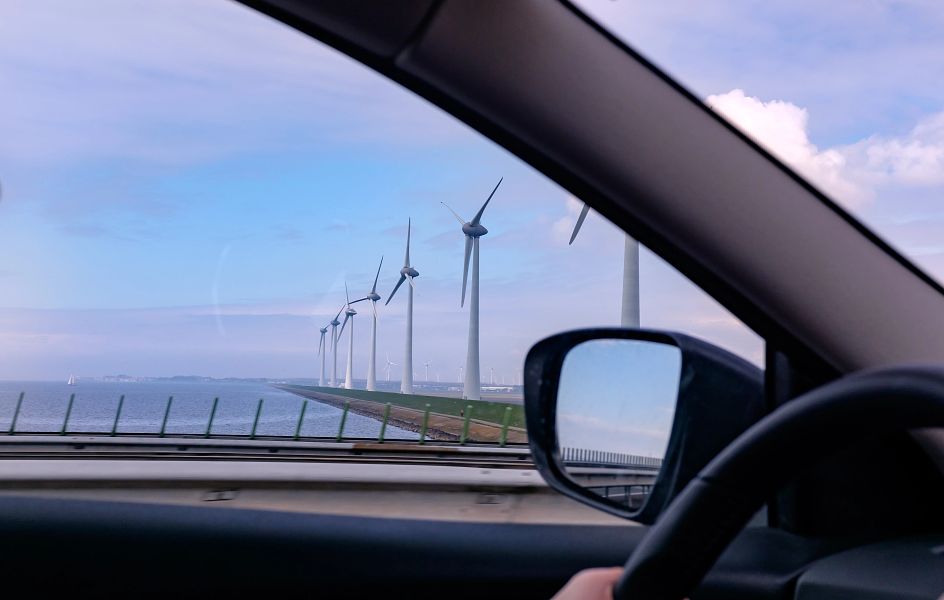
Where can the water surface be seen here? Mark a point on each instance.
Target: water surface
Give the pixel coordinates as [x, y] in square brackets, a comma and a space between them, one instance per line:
[96, 402]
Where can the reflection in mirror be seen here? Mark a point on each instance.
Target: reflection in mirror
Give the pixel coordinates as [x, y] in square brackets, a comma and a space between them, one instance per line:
[615, 405]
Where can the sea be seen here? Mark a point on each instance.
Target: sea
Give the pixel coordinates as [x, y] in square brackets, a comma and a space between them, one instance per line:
[95, 405]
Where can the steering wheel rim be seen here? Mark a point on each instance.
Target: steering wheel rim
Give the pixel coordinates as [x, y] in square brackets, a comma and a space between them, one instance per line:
[686, 541]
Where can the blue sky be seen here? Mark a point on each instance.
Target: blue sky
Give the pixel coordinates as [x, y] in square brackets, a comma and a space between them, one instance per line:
[189, 195]
[631, 413]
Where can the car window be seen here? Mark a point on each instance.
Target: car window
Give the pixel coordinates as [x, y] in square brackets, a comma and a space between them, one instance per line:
[196, 201]
[846, 93]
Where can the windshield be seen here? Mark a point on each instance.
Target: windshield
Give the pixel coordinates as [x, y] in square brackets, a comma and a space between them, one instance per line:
[215, 226]
[847, 93]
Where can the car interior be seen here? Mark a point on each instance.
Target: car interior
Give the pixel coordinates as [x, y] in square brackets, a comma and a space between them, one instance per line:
[769, 487]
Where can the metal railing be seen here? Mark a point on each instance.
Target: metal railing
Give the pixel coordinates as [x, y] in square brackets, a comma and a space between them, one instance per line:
[587, 457]
[207, 431]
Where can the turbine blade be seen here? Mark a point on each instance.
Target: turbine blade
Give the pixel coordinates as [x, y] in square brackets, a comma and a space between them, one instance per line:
[321, 345]
[343, 323]
[395, 288]
[465, 269]
[412, 285]
[478, 215]
[583, 215]
[346, 295]
[373, 305]
[373, 290]
[406, 259]
[454, 213]
[340, 310]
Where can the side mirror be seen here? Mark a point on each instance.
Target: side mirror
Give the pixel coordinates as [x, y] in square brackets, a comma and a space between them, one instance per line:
[623, 419]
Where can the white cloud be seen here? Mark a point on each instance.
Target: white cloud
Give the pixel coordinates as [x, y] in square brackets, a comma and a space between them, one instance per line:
[781, 127]
[916, 158]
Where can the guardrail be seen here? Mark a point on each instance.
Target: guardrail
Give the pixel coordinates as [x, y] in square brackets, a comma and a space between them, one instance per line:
[597, 458]
[207, 430]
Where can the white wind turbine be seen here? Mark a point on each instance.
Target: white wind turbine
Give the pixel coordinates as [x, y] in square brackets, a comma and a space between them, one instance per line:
[629, 307]
[349, 314]
[473, 230]
[390, 363]
[373, 296]
[426, 364]
[322, 352]
[407, 272]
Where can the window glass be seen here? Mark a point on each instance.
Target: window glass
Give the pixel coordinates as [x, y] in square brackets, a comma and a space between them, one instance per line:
[190, 190]
[847, 93]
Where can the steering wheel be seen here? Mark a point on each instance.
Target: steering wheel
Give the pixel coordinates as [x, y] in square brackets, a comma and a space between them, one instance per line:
[699, 524]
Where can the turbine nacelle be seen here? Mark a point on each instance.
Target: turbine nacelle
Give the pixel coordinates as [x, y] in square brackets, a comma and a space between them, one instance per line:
[323, 330]
[407, 273]
[334, 322]
[373, 297]
[350, 312]
[474, 231]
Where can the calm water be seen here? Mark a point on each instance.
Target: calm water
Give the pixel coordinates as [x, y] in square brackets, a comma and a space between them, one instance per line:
[44, 408]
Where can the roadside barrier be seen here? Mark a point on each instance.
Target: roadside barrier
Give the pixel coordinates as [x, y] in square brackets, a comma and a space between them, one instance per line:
[111, 428]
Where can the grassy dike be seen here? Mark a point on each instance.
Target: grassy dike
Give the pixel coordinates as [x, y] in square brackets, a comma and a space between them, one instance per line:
[482, 410]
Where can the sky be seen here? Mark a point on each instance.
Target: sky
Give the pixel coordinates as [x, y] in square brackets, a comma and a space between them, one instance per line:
[189, 194]
[631, 413]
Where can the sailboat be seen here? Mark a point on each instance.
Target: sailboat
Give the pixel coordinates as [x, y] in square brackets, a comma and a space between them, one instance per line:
[71, 379]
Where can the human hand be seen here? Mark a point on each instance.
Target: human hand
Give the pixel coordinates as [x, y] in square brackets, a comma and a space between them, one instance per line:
[591, 584]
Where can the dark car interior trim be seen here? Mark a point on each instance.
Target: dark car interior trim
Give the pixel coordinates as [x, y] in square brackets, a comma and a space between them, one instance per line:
[113, 549]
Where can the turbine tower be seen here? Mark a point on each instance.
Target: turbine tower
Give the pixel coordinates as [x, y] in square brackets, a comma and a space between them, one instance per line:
[349, 316]
[373, 296]
[473, 230]
[334, 348]
[322, 352]
[629, 307]
[407, 272]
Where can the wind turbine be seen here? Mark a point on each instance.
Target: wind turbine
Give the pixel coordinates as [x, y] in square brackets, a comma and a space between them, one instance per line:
[373, 296]
[322, 353]
[349, 316]
[473, 230]
[390, 363]
[426, 364]
[407, 272]
[629, 307]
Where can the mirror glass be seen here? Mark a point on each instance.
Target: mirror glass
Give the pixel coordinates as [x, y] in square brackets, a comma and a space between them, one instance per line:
[615, 405]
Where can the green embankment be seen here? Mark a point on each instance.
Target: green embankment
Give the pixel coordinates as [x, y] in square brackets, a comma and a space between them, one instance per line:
[482, 410]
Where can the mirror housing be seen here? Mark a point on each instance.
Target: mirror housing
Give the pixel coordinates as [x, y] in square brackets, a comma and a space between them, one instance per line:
[720, 395]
